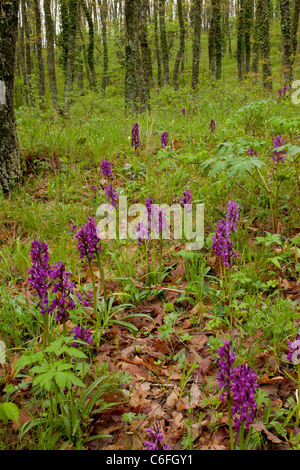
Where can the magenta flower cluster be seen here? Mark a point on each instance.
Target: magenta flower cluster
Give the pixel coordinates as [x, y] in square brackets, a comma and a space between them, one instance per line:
[239, 385]
[52, 284]
[112, 196]
[106, 169]
[222, 244]
[82, 334]
[39, 272]
[278, 154]
[186, 198]
[281, 93]
[135, 136]
[212, 125]
[252, 152]
[88, 240]
[156, 440]
[293, 355]
[164, 140]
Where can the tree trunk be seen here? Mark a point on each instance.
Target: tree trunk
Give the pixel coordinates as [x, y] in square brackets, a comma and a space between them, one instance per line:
[180, 52]
[28, 60]
[295, 24]
[157, 51]
[257, 37]
[218, 38]
[90, 56]
[285, 22]
[11, 167]
[248, 16]
[132, 57]
[265, 45]
[73, 22]
[240, 39]
[103, 16]
[164, 42]
[196, 43]
[50, 54]
[211, 40]
[145, 64]
[38, 26]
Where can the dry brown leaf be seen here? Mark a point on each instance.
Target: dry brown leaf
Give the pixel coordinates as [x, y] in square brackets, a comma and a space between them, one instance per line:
[260, 427]
[139, 394]
[192, 400]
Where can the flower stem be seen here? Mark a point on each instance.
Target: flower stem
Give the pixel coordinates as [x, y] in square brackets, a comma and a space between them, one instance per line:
[94, 288]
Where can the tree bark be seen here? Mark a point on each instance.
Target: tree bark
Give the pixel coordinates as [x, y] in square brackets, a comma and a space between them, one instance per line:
[11, 167]
[73, 23]
[156, 39]
[257, 37]
[103, 16]
[164, 42]
[240, 39]
[295, 25]
[90, 55]
[285, 22]
[38, 26]
[180, 52]
[145, 63]
[211, 40]
[218, 39]
[28, 60]
[265, 45]
[50, 53]
[196, 43]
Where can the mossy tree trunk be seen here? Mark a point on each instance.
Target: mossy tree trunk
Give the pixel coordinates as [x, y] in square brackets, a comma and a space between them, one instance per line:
[133, 73]
[285, 22]
[248, 18]
[73, 23]
[164, 42]
[265, 45]
[294, 28]
[256, 37]
[156, 39]
[196, 42]
[103, 15]
[50, 53]
[91, 46]
[180, 53]
[11, 168]
[145, 57]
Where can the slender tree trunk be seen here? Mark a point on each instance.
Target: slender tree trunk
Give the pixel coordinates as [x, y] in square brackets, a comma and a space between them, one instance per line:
[285, 22]
[28, 60]
[156, 39]
[295, 25]
[73, 22]
[145, 64]
[132, 56]
[39, 46]
[257, 37]
[211, 40]
[180, 52]
[227, 27]
[240, 39]
[64, 35]
[218, 38]
[248, 12]
[265, 45]
[196, 43]
[11, 167]
[90, 57]
[23, 66]
[164, 42]
[103, 16]
[50, 54]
